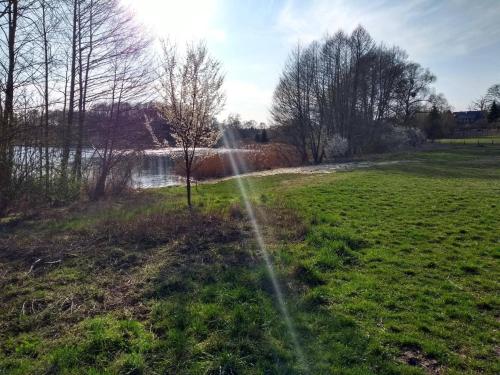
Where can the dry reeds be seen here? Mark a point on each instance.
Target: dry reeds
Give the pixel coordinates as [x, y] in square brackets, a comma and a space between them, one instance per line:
[252, 158]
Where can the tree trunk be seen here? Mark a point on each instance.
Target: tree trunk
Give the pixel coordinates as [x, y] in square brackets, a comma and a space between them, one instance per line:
[71, 105]
[77, 168]
[6, 152]
[188, 182]
[100, 187]
[46, 99]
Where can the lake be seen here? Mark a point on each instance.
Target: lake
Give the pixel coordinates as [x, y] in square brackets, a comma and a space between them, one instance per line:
[157, 167]
[155, 170]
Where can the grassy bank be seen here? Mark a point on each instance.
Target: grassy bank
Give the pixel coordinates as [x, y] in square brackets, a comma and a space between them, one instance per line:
[388, 270]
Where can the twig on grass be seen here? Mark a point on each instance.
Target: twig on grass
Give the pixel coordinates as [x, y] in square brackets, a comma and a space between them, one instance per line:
[33, 266]
[54, 262]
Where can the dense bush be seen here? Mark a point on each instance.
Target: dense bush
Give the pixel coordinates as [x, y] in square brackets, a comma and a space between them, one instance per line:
[390, 137]
[111, 175]
[336, 146]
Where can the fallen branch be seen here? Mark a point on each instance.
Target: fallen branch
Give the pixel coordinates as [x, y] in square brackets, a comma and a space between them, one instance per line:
[54, 262]
[33, 265]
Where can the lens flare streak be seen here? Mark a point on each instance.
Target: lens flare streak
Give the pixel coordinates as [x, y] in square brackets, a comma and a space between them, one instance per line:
[235, 165]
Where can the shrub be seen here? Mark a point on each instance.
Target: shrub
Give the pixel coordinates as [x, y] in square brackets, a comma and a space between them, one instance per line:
[113, 179]
[387, 137]
[416, 137]
[336, 146]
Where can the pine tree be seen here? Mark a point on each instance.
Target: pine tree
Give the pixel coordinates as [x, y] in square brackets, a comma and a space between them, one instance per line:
[263, 136]
[434, 128]
[494, 113]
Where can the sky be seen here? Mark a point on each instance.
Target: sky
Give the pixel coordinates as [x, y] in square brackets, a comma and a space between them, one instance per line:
[458, 40]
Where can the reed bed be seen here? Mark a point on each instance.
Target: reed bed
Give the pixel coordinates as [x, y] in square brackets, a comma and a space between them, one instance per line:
[252, 158]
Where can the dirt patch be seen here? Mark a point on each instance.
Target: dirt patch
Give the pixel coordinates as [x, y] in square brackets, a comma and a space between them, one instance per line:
[414, 357]
[155, 229]
[283, 224]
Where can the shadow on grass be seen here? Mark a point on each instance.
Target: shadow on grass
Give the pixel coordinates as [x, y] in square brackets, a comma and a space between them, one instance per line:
[182, 293]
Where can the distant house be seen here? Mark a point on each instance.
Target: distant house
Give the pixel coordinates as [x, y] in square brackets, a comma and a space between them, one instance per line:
[468, 117]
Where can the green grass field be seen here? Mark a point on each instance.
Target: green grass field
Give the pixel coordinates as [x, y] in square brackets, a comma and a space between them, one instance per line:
[388, 270]
[486, 140]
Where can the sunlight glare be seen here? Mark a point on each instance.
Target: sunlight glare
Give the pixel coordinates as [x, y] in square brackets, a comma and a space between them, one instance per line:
[236, 164]
[180, 21]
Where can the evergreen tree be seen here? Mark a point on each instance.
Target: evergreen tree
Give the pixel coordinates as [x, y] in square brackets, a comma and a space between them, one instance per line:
[434, 127]
[257, 138]
[263, 136]
[494, 113]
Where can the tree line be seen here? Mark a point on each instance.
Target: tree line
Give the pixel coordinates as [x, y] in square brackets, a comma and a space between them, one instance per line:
[64, 64]
[489, 103]
[348, 87]
[78, 77]
[238, 132]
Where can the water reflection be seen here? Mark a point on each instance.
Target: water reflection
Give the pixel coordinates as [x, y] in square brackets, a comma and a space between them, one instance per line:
[156, 170]
[156, 167]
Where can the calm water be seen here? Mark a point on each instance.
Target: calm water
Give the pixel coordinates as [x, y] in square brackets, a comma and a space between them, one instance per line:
[155, 170]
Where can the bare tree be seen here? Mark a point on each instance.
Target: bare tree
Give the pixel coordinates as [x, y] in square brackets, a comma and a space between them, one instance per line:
[45, 23]
[288, 103]
[126, 80]
[60, 60]
[45, 29]
[413, 91]
[10, 11]
[191, 91]
[16, 72]
[493, 93]
[346, 86]
[68, 128]
[484, 102]
[480, 104]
